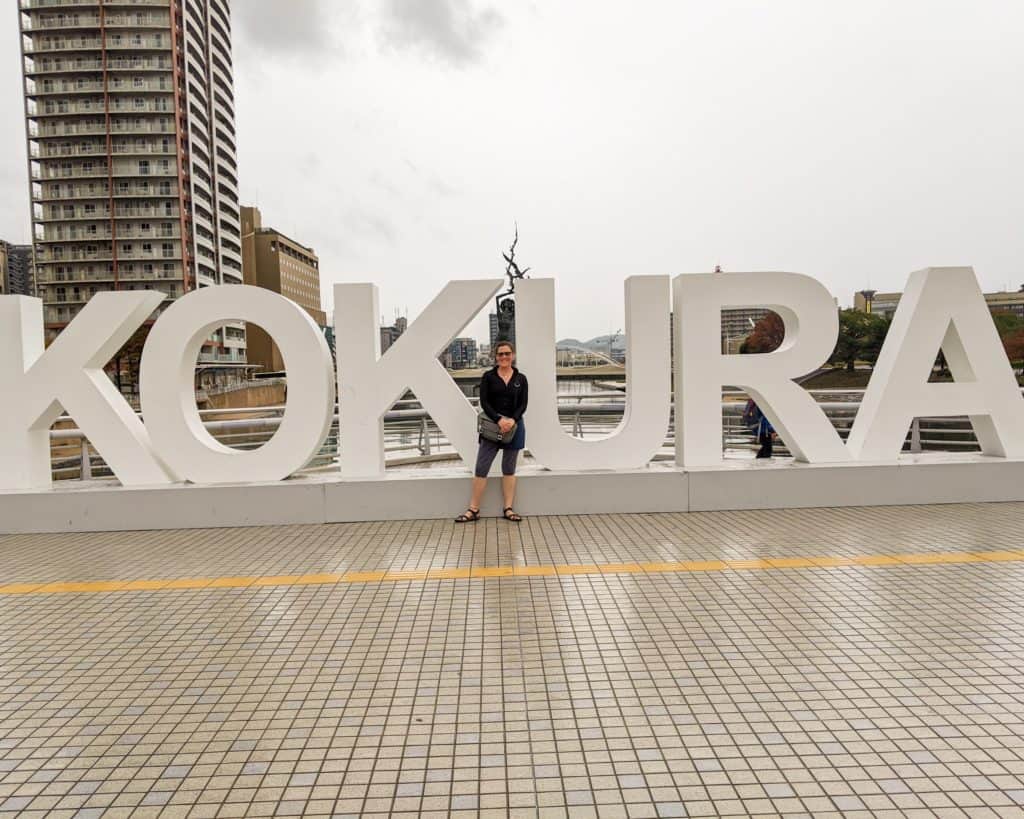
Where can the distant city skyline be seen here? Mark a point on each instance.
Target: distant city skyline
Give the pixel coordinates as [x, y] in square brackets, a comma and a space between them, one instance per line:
[403, 140]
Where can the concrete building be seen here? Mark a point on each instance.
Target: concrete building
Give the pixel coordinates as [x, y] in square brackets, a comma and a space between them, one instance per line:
[16, 270]
[274, 261]
[131, 140]
[737, 324]
[461, 354]
[389, 334]
[870, 301]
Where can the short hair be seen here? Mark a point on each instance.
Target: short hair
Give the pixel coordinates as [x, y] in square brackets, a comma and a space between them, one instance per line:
[503, 342]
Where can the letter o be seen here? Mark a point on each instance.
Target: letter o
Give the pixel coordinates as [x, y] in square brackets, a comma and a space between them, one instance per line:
[167, 386]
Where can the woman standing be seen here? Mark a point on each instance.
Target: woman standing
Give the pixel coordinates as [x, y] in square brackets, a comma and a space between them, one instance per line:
[504, 393]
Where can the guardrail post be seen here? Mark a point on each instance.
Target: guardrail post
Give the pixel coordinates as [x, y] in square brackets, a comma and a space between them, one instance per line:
[915, 435]
[86, 462]
[577, 427]
[424, 443]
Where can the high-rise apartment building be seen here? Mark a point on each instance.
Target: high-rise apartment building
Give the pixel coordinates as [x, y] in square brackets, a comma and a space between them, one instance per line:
[274, 261]
[131, 133]
[16, 271]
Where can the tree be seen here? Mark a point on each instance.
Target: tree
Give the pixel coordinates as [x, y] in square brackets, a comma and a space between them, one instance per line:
[1014, 346]
[1007, 323]
[861, 336]
[766, 336]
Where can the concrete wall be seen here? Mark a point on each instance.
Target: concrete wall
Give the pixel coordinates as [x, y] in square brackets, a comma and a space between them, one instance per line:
[442, 493]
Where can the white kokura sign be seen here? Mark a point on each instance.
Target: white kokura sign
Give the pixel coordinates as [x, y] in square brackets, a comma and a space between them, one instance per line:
[941, 309]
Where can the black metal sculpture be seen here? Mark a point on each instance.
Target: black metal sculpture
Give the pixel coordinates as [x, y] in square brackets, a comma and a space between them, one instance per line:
[504, 303]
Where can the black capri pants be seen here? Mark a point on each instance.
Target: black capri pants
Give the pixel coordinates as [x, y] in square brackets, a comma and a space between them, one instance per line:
[486, 454]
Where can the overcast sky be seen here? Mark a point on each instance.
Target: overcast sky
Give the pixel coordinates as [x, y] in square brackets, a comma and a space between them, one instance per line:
[855, 142]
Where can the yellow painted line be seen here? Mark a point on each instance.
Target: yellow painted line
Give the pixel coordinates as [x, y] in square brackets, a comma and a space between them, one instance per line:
[875, 560]
[231, 582]
[999, 556]
[578, 569]
[363, 577]
[407, 575]
[448, 574]
[483, 572]
[533, 571]
[491, 571]
[748, 564]
[315, 579]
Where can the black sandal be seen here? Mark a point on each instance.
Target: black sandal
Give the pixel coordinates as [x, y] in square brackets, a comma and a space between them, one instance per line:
[509, 514]
[471, 515]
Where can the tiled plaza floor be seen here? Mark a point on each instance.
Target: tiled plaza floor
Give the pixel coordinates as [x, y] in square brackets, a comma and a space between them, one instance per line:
[814, 662]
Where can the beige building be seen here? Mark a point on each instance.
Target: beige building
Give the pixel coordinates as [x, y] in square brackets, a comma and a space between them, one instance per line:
[272, 260]
[131, 145]
[871, 301]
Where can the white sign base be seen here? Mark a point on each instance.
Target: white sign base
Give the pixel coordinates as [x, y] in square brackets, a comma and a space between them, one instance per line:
[105, 506]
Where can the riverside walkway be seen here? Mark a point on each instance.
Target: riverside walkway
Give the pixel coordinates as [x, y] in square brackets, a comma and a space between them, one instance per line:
[862, 661]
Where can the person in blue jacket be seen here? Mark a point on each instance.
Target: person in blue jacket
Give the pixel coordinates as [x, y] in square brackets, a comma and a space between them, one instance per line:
[758, 423]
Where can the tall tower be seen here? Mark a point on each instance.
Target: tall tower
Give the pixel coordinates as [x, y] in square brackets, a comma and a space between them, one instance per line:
[130, 122]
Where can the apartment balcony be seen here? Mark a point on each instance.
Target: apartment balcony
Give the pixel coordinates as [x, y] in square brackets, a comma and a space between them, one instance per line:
[57, 151]
[138, 193]
[53, 131]
[79, 215]
[71, 22]
[46, 66]
[160, 105]
[47, 46]
[76, 276]
[50, 236]
[150, 277]
[50, 173]
[151, 235]
[53, 4]
[143, 149]
[137, 21]
[134, 170]
[68, 298]
[139, 64]
[122, 258]
[87, 88]
[148, 43]
[46, 256]
[146, 128]
[94, 107]
[120, 86]
[101, 192]
[146, 213]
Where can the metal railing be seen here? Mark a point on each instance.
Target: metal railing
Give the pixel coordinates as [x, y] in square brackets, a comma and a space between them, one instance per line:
[411, 438]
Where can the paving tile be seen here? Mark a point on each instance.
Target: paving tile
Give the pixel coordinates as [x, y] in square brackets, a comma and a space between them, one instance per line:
[825, 662]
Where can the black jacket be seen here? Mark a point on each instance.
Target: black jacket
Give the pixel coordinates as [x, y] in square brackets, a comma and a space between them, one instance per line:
[499, 399]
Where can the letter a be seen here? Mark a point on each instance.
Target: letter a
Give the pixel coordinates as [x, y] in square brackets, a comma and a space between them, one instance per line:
[369, 383]
[942, 307]
[70, 375]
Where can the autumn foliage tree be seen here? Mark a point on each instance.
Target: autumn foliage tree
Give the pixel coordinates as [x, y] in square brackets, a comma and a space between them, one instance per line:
[766, 336]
